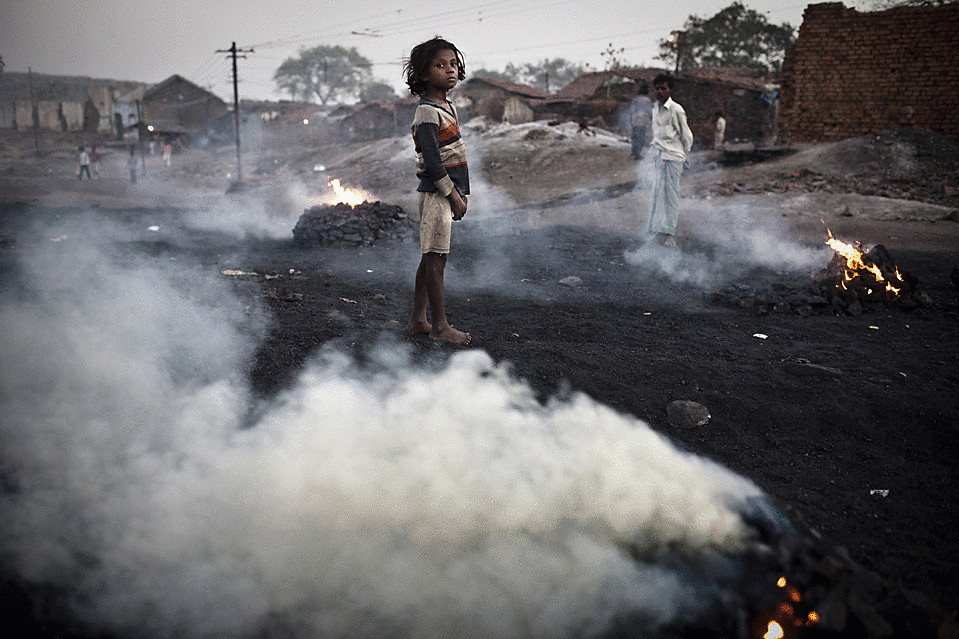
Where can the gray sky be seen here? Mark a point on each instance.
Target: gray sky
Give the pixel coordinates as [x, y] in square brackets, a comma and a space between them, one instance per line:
[148, 40]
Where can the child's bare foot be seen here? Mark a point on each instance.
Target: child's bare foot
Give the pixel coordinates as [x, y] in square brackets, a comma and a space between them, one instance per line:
[419, 327]
[451, 335]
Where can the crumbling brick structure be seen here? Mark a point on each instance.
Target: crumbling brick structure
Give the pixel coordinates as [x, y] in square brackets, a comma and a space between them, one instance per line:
[850, 74]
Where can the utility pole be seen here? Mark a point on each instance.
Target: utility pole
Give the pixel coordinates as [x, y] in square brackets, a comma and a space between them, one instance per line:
[33, 115]
[143, 159]
[236, 53]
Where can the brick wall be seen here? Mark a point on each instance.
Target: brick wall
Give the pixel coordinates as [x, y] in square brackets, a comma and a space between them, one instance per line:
[850, 73]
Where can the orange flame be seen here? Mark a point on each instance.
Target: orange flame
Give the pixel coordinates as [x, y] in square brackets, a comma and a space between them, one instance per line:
[773, 631]
[346, 195]
[855, 263]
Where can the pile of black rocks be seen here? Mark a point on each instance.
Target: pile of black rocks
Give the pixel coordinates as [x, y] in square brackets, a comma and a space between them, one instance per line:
[831, 290]
[362, 225]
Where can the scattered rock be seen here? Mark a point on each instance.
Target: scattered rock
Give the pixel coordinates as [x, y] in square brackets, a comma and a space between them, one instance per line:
[684, 413]
[804, 368]
[572, 280]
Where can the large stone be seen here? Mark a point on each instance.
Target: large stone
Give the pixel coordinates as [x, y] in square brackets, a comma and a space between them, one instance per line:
[684, 413]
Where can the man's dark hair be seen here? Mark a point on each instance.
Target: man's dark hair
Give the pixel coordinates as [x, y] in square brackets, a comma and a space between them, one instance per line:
[418, 63]
[663, 78]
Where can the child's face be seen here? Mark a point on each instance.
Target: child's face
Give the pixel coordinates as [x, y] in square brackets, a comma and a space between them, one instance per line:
[663, 92]
[443, 71]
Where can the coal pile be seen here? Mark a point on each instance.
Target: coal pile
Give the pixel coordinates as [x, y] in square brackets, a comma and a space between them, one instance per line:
[879, 283]
[873, 283]
[362, 225]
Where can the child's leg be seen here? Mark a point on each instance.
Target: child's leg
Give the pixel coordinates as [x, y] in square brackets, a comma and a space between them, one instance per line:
[435, 265]
[418, 324]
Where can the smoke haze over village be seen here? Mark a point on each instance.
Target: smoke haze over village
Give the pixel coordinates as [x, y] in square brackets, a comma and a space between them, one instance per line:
[149, 41]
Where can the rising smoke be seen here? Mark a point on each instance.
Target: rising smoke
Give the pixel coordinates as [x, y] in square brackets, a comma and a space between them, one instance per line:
[388, 499]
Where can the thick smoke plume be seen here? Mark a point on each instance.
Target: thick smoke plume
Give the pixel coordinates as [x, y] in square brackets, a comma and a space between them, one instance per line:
[382, 500]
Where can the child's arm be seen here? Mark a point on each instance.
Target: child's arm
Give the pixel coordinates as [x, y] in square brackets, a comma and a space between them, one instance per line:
[428, 140]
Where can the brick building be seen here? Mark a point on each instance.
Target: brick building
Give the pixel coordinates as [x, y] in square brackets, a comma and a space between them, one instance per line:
[850, 73]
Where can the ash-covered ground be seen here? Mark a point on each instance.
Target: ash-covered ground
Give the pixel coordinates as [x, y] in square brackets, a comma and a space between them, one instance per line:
[212, 429]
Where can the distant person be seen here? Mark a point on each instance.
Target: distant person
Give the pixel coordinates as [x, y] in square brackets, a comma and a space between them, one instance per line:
[639, 125]
[167, 152]
[720, 135]
[672, 140]
[84, 164]
[433, 68]
[95, 161]
[132, 165]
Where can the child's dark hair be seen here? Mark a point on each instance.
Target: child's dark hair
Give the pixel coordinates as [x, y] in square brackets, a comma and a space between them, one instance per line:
[663, 78]
[418, 63]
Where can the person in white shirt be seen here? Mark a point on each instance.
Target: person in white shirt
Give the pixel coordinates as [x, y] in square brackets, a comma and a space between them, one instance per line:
[720, 136]
[672, 140]
[84, 166]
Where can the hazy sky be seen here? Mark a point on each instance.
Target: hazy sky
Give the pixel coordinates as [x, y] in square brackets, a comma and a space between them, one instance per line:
[149, 40]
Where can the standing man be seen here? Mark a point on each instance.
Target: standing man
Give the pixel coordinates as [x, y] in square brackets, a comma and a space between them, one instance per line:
[719, 137]
[672, 140]
[639, 126]
[84, 167]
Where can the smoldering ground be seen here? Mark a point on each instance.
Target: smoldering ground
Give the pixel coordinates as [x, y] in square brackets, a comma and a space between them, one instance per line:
[390, 498]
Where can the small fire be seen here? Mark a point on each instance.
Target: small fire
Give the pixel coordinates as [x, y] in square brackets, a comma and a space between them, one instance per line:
[774, 631]
[857, 267]
[788, 616]
[346, 195]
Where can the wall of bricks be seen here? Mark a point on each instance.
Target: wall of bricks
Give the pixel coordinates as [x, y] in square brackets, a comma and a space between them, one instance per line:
[850, 73]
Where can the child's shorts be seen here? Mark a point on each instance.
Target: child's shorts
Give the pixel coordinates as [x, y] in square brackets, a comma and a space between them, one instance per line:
[436, 223]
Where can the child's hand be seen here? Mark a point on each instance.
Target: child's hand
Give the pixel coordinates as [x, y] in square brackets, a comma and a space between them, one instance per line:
[458, 204]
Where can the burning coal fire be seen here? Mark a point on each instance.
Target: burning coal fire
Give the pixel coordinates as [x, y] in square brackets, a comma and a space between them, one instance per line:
[868, 267]
[791, 616]
[858, 277]
[351, 217]
[345, 195]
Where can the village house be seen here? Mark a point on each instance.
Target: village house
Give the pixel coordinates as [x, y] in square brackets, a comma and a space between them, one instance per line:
[181, 103]
[376, 119]
[498, 100]
[747, 99]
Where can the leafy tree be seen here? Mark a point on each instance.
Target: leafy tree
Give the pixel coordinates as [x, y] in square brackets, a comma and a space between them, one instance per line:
[377, 90]
[734, 37]
[324, 72]
[549, 75]
[613, 58]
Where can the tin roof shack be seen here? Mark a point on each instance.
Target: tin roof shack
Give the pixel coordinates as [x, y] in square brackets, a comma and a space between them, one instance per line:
[604, 98]
[178, 100]
[500, 101]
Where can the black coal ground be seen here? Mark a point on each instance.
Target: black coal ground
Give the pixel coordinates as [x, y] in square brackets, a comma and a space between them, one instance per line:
[823, 446]
[820, 442]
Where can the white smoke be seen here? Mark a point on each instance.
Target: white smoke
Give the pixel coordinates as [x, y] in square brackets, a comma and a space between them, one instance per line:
[384, 500]
[731, 236]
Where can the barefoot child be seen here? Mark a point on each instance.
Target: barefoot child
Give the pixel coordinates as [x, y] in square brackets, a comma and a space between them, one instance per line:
[433, 68]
